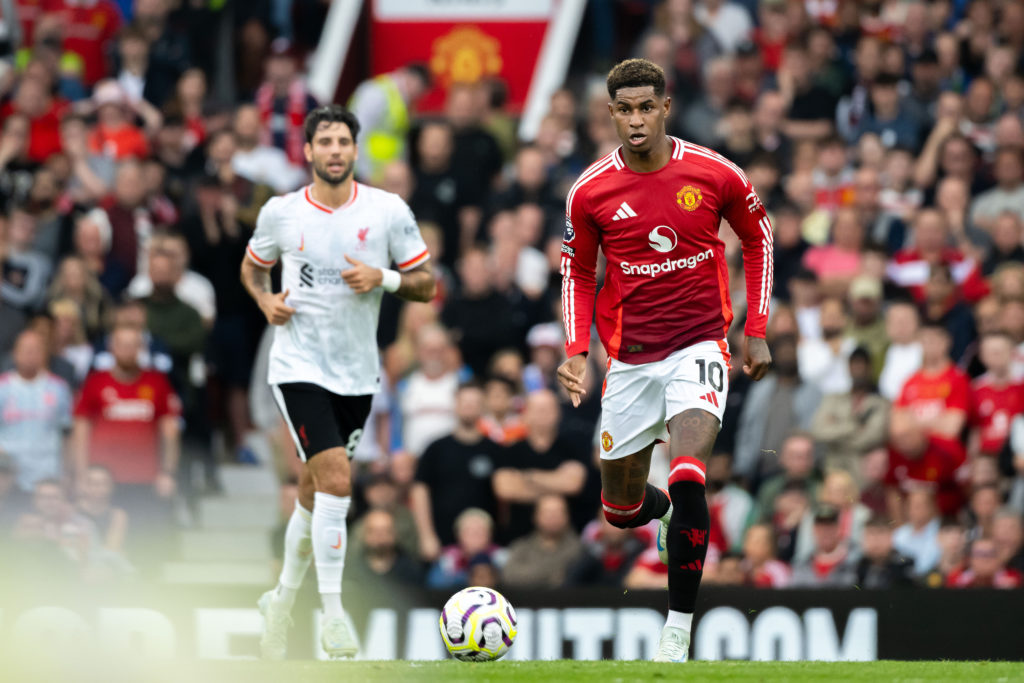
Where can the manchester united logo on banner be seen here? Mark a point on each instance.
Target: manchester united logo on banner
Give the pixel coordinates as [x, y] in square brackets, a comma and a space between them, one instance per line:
[465, 55]
[689, 197]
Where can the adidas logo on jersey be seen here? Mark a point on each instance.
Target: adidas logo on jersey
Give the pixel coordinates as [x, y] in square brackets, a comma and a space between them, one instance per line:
[711, 398]
[625, 211]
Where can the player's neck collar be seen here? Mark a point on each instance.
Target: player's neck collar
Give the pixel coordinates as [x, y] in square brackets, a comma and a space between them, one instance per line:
[323, 207]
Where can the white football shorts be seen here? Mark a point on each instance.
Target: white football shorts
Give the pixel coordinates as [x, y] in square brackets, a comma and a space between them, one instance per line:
[639, 400]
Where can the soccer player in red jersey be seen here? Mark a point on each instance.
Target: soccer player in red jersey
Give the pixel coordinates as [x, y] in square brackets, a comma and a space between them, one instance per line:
[654, 206]
[995, 398]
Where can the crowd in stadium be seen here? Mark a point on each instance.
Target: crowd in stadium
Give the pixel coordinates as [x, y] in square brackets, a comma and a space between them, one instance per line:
[885, 447]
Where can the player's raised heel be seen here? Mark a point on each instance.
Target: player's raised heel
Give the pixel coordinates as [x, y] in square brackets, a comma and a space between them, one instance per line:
[674, 645]
[276, 622]
[337, 640]
[662, 538]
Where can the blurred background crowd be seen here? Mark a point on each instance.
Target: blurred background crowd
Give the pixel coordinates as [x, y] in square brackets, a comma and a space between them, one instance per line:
[885, 448]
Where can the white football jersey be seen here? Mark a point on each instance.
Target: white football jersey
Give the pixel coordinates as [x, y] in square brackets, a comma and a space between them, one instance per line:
[331, 340]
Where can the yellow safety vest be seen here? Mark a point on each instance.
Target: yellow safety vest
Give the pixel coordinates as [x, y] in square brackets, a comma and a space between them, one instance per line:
[387, 143]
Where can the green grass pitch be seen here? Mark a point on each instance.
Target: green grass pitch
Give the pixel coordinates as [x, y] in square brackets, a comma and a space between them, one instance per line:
[600, 672]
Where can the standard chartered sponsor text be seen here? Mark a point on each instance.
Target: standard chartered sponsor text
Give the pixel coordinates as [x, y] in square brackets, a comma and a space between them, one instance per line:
[667, 266]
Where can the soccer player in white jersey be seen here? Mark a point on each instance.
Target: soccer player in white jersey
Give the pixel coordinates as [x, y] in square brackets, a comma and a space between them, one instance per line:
[336, 240]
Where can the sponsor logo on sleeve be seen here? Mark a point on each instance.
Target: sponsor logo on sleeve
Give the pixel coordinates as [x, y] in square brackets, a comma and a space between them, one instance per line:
[569, 251]
[570, 234]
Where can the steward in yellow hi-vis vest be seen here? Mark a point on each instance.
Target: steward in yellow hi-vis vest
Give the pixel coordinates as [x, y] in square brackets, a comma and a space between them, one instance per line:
[382, 104]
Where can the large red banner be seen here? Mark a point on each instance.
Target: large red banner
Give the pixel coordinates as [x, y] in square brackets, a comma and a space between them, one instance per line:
[460, 51]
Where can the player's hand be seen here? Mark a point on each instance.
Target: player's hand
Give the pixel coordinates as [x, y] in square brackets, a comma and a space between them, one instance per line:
[275, 309]
[361, 277]
[570, 376]
[164, 486]
[756, 357]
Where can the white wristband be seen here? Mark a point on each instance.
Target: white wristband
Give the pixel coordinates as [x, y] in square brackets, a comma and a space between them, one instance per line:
[390, 280]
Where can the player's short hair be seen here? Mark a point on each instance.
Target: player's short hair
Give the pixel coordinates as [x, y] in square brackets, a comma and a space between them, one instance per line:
[636, 73]
[330, 113]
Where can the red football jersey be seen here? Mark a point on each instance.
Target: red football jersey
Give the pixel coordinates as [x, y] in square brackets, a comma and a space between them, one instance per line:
[936, 466]
[928, 394]
[993, 407]
[124, 416]
[666, 285]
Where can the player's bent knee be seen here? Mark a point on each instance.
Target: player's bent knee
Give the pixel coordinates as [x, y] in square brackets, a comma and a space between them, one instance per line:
[331, 472]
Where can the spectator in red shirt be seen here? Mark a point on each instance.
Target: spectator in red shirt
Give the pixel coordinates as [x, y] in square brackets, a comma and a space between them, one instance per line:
[910, 267]
[984, 570]
[918, 458]
[43, 111]
[995, 397]
[127, 419]
[937, 395]
[89, 27]
[116, 136]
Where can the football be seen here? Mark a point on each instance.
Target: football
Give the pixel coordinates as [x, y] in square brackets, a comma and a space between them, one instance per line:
[478, 625]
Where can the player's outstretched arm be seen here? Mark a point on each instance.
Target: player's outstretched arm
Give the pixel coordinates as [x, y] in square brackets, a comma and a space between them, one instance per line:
[415, 284]
[256, 281]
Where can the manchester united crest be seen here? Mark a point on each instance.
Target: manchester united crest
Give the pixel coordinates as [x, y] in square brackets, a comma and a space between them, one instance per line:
[606, 441]
[465, 55]
[689, 197]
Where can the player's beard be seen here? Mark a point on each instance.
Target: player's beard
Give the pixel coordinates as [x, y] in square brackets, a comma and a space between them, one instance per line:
[333, 179]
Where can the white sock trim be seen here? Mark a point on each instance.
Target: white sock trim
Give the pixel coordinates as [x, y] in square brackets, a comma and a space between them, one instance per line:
[681, 620]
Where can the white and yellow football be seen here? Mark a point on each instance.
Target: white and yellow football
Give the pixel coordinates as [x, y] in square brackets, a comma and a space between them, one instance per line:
[478, 625]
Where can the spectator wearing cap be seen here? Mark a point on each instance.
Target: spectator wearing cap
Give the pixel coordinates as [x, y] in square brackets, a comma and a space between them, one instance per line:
[985, 569]
[283, 100]
[867, 323]
[383, 105]
[888, 118]
[849, 425]
[829, 566]
[35, 414]
[881, 566]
